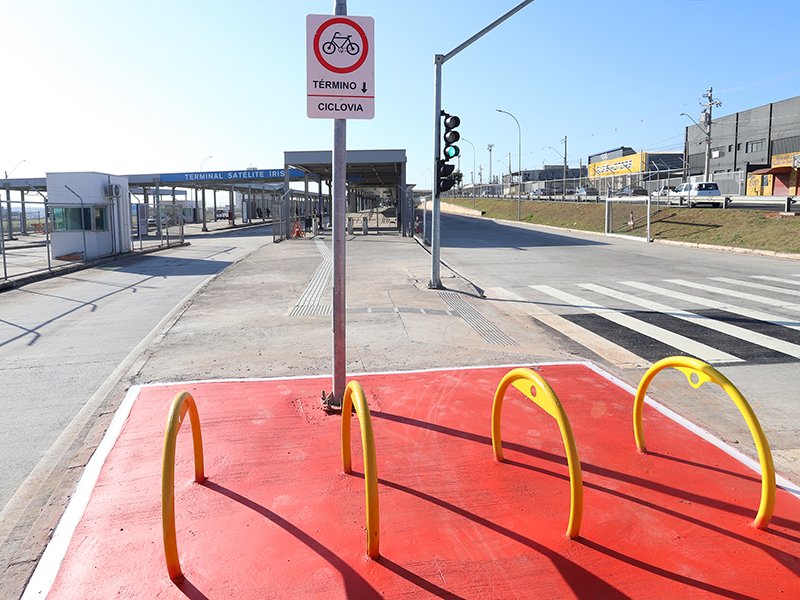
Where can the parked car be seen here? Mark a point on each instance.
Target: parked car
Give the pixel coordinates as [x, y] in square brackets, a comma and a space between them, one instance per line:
[221, 214]
[632, 190]
[587, 191]
[544, 192]
[151, 222]
[665, 190]
[703, 192]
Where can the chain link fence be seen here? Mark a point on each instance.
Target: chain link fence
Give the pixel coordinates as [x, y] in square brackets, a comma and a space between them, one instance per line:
[27, 230]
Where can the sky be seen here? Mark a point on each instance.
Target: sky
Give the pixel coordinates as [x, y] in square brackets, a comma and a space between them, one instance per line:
[163, 86]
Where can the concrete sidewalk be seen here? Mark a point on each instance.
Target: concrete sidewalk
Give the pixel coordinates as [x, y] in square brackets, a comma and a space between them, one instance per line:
[270, 315]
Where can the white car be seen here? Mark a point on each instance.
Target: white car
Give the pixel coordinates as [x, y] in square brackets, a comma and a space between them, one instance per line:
[704, 192]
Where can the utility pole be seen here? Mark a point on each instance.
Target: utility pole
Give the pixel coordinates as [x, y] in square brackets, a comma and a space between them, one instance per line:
[705, 117]
[564, 185]
[490, 163]
[509, 172]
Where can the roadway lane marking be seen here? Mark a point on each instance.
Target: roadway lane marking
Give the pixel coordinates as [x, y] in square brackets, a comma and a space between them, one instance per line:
[613, 353]
[684, 344]
[720, 326]
[734, 293]
[739, 310]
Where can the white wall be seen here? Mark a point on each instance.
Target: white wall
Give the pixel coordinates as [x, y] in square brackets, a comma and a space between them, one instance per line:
[88, 190]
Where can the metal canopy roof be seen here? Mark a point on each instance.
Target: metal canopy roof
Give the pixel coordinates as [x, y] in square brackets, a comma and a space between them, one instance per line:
[375, 173]
[378, 173]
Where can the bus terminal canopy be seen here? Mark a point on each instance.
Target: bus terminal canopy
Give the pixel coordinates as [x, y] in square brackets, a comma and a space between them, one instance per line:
[266, 179]
[379, 174]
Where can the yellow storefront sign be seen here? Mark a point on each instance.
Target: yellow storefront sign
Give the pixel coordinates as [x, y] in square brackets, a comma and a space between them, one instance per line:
[633, 163]
[785, 160]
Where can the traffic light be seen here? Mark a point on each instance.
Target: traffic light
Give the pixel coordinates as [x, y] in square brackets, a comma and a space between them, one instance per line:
[451, 136]
[443, 172]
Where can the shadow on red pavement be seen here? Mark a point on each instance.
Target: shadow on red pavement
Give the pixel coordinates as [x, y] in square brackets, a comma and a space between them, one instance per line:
[278, 518]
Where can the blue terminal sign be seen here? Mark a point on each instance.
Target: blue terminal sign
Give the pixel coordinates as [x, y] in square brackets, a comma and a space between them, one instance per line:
[248, 174]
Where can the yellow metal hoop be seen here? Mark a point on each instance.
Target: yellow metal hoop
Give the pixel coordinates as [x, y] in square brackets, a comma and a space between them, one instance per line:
[698, 373]
[352, 391]
[539, 391]
[182, 404]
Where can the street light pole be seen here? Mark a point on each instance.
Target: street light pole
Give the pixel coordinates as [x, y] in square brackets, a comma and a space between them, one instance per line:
[519, 162]
[473, 169]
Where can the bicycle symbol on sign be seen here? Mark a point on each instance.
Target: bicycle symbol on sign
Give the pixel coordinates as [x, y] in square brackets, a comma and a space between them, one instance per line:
[345, 45]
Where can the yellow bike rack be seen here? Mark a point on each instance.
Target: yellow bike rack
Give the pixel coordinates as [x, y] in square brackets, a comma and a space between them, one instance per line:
[182, 404]
[539, 391]
[370, 466]
[704, 373]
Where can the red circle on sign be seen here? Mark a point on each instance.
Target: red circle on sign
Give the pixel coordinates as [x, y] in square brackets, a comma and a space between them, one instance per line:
[360, 32]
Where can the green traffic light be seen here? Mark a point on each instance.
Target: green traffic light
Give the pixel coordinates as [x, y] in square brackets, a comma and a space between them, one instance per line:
[451, 152]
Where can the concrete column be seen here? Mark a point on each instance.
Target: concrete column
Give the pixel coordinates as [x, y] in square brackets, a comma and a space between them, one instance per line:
[205, 227]
[23, 218]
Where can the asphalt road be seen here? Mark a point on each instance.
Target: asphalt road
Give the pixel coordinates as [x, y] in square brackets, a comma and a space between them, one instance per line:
[628, 303]
[62, 338]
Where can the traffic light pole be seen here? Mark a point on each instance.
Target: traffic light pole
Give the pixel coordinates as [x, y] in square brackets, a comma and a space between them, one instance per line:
[439, 60]
[436, 282]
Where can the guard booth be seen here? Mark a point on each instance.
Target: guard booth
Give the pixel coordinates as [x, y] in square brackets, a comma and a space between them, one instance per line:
[90, 215]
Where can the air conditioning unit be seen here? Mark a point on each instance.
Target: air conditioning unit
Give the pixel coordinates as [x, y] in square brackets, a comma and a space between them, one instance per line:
[113, 190]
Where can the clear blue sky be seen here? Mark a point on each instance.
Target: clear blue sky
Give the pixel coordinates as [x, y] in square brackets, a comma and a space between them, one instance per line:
[152, 86]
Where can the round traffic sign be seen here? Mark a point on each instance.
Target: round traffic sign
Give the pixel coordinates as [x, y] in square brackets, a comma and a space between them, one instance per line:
[340, 45]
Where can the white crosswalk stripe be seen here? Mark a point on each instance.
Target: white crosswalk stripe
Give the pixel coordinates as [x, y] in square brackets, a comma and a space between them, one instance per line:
[739, 310]
[735, 293]
[758, 286]
[777, 279]
[721, 326]
[682, 343]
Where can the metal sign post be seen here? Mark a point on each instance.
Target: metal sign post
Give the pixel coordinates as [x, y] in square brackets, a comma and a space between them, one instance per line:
[340, 81]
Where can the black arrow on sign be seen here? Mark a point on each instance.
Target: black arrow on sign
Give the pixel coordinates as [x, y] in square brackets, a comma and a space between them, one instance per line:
[364, 89]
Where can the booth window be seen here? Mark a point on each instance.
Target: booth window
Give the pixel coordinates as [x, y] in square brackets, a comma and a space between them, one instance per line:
[100, 218]
[72, 219]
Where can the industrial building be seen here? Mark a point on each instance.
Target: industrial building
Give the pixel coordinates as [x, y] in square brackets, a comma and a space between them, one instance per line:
[755, 150]
[614, 169]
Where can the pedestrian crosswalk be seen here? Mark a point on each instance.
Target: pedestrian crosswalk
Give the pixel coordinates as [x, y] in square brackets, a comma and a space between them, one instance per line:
[720, 320]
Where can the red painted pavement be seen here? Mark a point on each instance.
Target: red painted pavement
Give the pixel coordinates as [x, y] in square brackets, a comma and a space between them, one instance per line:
[277, 518]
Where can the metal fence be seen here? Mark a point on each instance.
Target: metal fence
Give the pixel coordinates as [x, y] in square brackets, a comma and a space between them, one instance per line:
[730, 184]
[26, 231]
